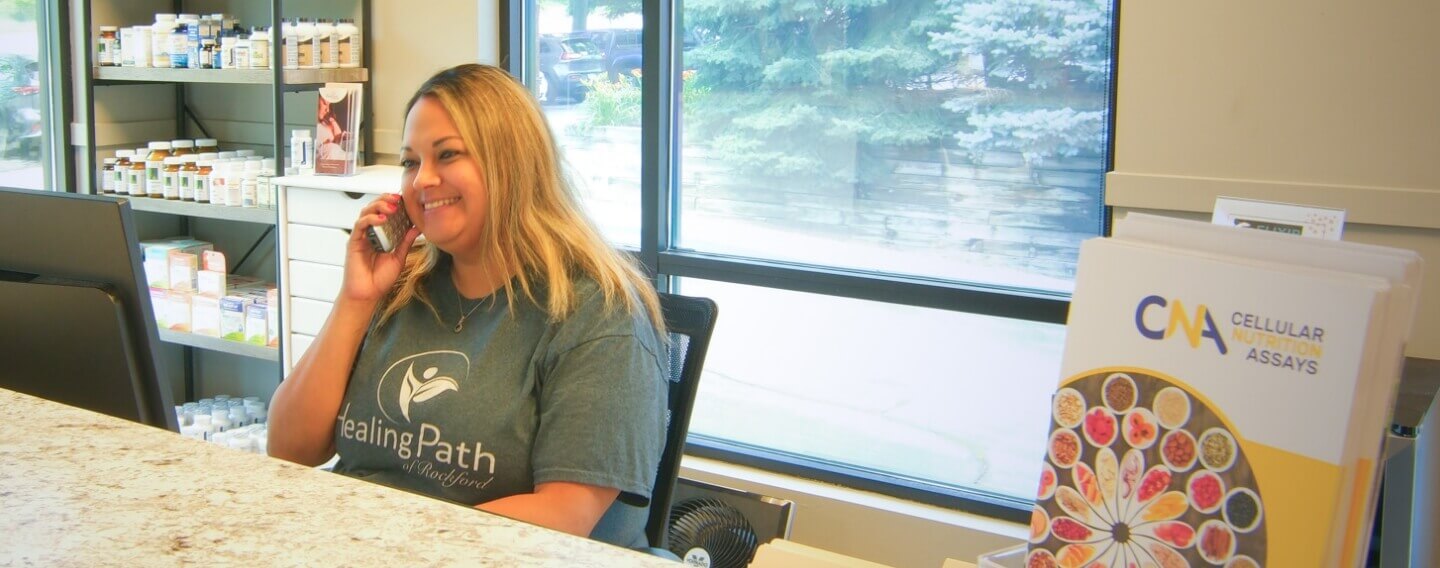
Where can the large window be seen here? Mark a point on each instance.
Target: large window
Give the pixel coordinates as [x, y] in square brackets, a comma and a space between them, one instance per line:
[30, 100]
[886, 199]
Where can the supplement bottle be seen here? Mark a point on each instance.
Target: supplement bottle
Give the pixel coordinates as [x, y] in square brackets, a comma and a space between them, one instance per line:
[154, 164]
[182, 147]
[160, 39]
[178, 46]
[325, 44]
[170, 178]
[219, 189]
[234, 184]
[192, 39]
[305, 38]
[135, 177]
[248, 188]
[188, 171]
[202, 177]
[107, 175]
[259, 48]
[302, 151]
[140, 51]
[227, 52]
[242, 52]
[291, 44]
[122, 165]
[205, 145]
[264, 184]
[107, 47]
[347, 44]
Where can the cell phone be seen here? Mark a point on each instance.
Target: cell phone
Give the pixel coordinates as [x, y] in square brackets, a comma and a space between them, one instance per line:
[386, 235]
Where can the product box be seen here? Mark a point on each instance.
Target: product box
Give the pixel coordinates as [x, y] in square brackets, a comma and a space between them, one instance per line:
[211, 281]
[160, 305]
[1215, 407]
[183, 269]
[205, 315]
[272, 315]
[256, 323]
[155, 257]
[178, 305]
[232, 318]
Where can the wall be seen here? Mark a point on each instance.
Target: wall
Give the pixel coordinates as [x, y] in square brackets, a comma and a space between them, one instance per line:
[414, 44]
[1327, 102]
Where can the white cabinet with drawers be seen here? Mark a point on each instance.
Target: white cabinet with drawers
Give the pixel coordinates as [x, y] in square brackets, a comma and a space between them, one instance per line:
[316, 217]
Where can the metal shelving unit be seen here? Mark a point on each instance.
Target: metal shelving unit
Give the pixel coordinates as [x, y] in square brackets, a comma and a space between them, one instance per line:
[279, 81]
[291, 79]
[262, 216]
[221, 345]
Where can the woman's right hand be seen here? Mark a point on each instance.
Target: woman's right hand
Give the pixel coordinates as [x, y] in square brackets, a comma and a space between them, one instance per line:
[369, 274]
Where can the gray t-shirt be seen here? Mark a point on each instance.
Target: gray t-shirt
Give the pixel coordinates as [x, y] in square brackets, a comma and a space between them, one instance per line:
[510, 401]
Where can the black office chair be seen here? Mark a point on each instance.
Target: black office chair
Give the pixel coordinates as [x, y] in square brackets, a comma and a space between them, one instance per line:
[690, 321]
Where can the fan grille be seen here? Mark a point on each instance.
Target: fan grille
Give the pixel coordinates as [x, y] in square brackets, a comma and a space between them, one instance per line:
[719, 529]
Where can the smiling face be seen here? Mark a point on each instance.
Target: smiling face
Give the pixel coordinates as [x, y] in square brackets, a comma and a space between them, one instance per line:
[444, 194]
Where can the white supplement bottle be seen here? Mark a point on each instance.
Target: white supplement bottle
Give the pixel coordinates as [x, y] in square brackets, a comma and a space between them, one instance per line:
[234, 184]
[259, 48]
[140, 51]
[305, 38]
[160, 39]
[325, 42]
[348, 43]
[291, 43]
[302, 151]
[107, 47]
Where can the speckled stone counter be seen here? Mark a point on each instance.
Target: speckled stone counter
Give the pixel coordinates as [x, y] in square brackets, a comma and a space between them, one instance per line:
[83, 489]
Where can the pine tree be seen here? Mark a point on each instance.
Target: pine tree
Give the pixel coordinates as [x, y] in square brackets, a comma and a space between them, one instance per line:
[1045, 69]
[804, 89]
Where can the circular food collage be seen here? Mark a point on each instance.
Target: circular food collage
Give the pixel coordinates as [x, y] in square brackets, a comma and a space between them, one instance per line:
[1139, 473]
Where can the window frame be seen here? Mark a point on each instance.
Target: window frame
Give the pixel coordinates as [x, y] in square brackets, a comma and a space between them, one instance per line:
[660, 182]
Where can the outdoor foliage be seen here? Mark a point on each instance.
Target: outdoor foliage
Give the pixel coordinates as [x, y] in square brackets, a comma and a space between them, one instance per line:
[817, 89]
[617, 103]
[1045, 67]
[827, 89]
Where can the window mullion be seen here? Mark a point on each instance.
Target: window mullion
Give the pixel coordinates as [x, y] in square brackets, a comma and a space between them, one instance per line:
[658, 141]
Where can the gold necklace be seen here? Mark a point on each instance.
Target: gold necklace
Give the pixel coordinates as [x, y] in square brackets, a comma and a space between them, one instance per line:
[459, 301]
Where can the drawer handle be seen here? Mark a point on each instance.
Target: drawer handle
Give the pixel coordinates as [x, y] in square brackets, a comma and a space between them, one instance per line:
[353, 195]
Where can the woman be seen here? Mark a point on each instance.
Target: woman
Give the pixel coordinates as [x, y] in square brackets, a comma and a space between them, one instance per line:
[512, 361]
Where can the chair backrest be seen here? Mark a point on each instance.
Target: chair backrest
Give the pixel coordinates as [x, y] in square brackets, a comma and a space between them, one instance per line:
[690, 321]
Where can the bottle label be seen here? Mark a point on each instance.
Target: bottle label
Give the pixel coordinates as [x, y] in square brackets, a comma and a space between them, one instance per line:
[259, 54]
[292, 53]
[306, 55]
[153, 183]
[187, 186]
[202, 189]
[135, 183]
[171, 185]
[344, 50]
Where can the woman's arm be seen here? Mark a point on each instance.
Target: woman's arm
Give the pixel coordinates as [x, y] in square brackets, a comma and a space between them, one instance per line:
[574, 508]
[303, 410]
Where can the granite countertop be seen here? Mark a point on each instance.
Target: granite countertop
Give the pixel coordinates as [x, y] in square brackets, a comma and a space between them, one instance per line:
[84, 489]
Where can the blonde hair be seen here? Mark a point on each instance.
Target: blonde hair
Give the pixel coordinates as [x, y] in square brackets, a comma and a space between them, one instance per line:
[534, 228]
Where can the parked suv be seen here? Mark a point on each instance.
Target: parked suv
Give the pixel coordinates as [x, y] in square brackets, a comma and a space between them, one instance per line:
[565, 63]
[621, 49]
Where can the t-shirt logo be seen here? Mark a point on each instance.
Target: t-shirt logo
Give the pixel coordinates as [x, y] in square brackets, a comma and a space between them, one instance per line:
[418, 378]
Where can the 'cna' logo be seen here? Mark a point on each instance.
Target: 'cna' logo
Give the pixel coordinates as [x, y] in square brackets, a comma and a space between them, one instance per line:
[1196, 328]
